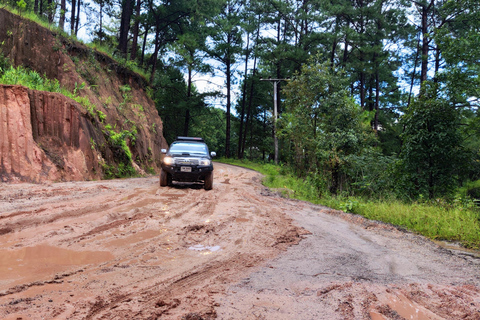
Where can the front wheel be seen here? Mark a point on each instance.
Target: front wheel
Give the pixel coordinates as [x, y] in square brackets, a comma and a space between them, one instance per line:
[163, 178]
[209, 181]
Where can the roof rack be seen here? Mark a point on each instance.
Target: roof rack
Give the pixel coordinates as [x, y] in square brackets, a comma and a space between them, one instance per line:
[197, 139]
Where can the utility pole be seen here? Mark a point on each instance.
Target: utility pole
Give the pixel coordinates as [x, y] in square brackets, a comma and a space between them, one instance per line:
[275, 113]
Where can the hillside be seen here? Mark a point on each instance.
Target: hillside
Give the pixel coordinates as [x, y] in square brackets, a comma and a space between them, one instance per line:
[116, 129]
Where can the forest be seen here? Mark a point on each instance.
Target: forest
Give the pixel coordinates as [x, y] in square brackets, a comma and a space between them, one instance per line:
[375, 97]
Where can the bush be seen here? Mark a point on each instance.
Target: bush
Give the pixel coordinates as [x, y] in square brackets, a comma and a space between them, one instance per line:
[470, 190]
[431, 151]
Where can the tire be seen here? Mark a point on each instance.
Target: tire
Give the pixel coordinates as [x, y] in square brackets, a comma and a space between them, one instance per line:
[208, 181]
[163, 178]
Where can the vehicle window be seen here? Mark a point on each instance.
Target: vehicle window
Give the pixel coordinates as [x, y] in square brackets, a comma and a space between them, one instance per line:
[190, 148]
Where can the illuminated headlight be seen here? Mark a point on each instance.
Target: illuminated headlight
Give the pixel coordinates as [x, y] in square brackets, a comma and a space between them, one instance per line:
[204, 162]
[168, 161]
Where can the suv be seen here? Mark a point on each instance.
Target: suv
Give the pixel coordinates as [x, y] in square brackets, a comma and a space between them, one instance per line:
[187, 160]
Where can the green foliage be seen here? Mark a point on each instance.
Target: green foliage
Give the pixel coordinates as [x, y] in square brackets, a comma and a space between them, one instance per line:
[471, 190]
[5, 64]
[78, 88]
[33, 80]
[370, 173]
[173, 103]
[120, 138]
[22, 5]
[118, 142]
[209, 123]
[431, 151]
[30, 79]
[101, 116]
[325, 127]
[133, 66]
[120, 170]
[93, 144]
[126, 94]
[435, 221]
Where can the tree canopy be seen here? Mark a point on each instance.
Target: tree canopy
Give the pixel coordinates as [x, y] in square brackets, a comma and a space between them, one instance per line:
[374, 83]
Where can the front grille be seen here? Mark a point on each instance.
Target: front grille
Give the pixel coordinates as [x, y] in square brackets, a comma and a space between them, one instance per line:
[187, 161]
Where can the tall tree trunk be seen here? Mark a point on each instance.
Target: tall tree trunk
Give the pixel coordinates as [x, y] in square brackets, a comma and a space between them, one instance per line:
[189, 95]
[72, 17]
[79, 5]
[332, 53]
[362, 86]
[345, 48]
[127, 11]
[335, 178]
[229, 79]
[136, 28]
[334, 43]
[35, 7]
[144, 45]
[424, 70]
[362, 58]
[50, 10]
[250, 97]
[377, 99]
[412, 82]
[425, 40]
[437, 63]
[154, 57]
[369, 101]
[244, 93]
[250, 106]
[100, 27]
[63, 10]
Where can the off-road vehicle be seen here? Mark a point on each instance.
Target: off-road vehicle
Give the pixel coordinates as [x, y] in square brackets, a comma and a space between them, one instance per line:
[187, 160]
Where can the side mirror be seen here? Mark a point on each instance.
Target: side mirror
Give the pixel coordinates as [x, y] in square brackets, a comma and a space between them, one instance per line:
[213, 154]
[163, 151]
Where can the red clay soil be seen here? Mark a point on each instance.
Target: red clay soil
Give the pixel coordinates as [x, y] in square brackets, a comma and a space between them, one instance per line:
[129, 249]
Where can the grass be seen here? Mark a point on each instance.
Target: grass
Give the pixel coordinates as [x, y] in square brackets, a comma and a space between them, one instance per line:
[436, 222]
[457, 222]
[128, 64]
[33, 80]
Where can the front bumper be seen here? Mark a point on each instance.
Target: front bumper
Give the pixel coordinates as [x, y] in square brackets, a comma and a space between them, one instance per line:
[197, 173]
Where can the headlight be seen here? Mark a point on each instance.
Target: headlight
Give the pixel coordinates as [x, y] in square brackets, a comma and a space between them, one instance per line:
[168, 161]
[204, 162]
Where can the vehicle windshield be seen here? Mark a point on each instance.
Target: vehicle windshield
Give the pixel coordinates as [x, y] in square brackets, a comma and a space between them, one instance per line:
[190, 148]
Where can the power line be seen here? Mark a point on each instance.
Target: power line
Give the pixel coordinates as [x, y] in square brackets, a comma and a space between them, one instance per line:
[275, 138]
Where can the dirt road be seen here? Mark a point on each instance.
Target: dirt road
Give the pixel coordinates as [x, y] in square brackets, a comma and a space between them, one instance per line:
[128, 249]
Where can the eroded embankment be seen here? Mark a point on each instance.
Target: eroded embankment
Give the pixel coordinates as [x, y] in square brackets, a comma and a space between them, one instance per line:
[72, 141]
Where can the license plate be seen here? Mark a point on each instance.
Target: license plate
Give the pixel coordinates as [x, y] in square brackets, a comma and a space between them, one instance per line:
[186, 169]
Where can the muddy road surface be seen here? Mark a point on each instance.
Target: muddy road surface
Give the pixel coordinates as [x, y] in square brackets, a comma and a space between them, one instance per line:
[128, 249]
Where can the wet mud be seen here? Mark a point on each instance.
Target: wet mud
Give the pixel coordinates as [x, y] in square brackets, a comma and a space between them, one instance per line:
[129, 249]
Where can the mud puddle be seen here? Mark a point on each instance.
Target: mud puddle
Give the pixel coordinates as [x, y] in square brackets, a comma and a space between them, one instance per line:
[128, 249]
[40, 262]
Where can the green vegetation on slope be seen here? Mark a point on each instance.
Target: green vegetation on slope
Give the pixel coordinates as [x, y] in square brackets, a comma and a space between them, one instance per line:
[457, 221]
[116, 140]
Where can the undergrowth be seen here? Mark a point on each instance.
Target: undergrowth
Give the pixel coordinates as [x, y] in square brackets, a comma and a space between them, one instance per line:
[118, 143]
[33, 80]
[117, 140]
[128, 64]
[457, 220]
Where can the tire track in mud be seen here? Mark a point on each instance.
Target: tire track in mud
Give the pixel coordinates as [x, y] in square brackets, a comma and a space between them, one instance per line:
[352, 268]
[183, 252]
[173, 248]
[158, 297]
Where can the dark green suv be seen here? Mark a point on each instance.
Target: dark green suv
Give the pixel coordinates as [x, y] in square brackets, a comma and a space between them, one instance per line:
[187, 160]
